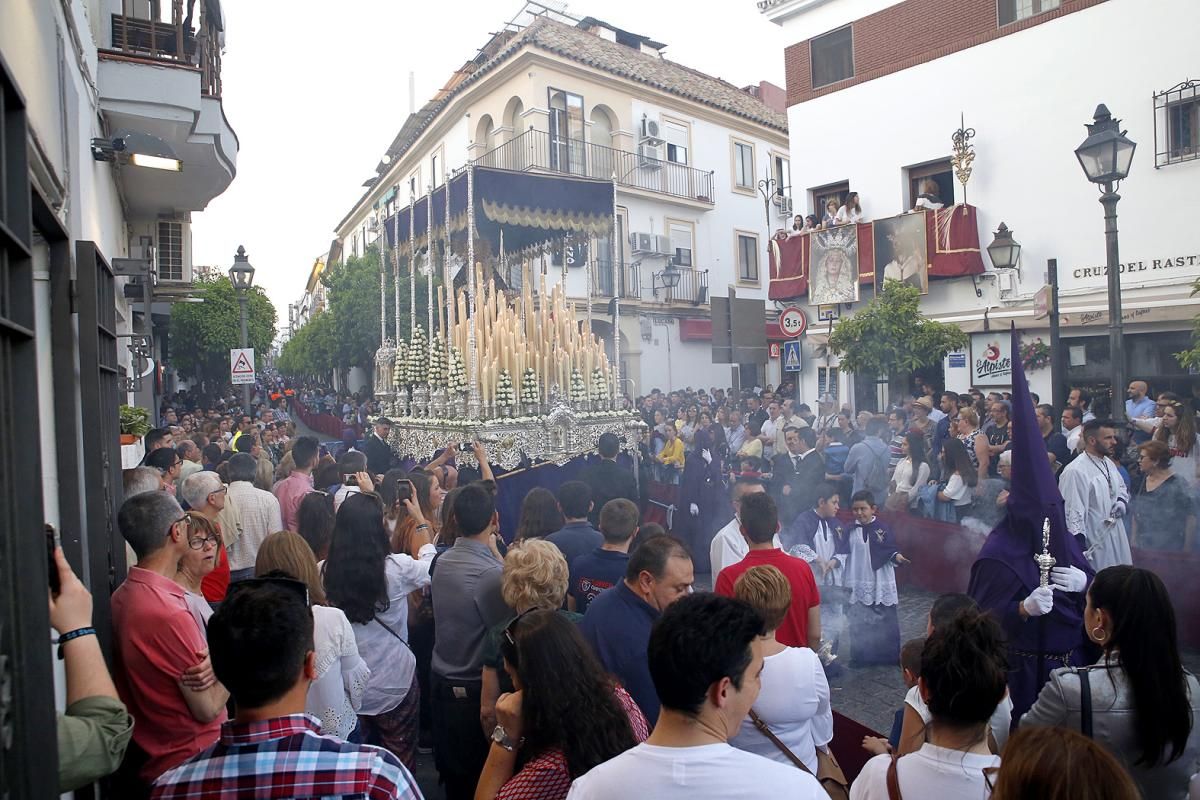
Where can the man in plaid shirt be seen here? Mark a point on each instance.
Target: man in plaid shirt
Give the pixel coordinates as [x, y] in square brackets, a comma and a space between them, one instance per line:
[261, 645]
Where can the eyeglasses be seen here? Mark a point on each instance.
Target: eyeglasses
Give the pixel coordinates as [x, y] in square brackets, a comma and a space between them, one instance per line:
[183, 519]
[198, 544]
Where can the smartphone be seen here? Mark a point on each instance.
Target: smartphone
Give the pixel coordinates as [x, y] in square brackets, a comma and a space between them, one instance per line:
[404, 491]
[52, 541]
[351, 480]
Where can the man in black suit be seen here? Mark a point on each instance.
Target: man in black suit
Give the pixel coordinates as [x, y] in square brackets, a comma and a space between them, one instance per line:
[377, 450]
[797, 474]
[607, 479]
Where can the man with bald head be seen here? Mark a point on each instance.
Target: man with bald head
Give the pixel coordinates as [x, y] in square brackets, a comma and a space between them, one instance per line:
[1139, 406]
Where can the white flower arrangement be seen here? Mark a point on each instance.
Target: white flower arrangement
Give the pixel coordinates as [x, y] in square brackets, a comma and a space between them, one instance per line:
[599, 386]
[456, 373]
[504, 390]
[530, 391]
[399, 372]
[437, 361]
[417, 357]
[578, 390]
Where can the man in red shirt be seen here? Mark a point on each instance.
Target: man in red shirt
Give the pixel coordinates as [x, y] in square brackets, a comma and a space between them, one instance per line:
[760, 522]
[162, 669]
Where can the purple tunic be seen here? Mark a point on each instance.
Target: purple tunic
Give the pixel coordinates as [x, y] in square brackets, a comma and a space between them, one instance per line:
[700, 484]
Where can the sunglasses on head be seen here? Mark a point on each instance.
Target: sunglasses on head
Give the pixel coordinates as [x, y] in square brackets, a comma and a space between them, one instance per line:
[511, 626]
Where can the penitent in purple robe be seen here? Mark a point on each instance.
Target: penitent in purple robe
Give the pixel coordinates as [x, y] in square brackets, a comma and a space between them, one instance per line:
[701, 483]
[1004, 574]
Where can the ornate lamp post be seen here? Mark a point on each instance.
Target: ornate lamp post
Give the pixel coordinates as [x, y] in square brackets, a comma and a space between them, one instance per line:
[1106, 156]
[241, 275]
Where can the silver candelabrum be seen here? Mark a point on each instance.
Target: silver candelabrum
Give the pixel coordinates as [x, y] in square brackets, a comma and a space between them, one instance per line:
[1044, 560]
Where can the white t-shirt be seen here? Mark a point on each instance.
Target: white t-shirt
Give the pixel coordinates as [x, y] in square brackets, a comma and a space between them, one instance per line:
[931, 772]
[794, 702]
[999, 724]
[715, 771]
[957, 490]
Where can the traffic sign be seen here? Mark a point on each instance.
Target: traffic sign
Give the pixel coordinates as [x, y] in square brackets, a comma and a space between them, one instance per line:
[793, 360]
[773, 350]
[241, 366]
[792, 321]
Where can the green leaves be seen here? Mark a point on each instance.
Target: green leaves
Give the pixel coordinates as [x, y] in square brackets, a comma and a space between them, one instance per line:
[890, 336]
[1190, 359]
[202, 334]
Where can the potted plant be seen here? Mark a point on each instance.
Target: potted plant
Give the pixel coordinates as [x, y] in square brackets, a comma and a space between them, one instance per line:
[135, 423]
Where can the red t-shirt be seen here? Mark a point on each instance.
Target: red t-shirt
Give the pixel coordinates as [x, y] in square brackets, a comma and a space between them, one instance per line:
[155, 639]
[793, 632]
[214, 585]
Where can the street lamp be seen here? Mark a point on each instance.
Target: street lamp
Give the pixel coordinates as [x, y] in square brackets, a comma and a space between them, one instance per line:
[241, 275]
[1106, 156]
[667, 278]
[1004, 249]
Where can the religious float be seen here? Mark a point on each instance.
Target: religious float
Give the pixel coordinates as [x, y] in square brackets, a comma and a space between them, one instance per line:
[495, 361]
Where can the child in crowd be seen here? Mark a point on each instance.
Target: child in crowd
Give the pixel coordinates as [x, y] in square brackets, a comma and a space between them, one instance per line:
[910, 669]
[871, 580]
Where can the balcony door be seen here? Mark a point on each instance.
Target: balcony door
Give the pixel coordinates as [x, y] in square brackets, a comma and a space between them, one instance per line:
[566, 133]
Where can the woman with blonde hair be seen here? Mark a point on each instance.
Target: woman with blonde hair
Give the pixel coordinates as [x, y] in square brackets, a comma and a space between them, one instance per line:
[535, 576]
[974, 441]
[336, 694]
[793, 702]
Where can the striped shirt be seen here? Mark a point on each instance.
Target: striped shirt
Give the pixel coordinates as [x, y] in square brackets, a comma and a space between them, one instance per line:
[259, 512]
[286, 757]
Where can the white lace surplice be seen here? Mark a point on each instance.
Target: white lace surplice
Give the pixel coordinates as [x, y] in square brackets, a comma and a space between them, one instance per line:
[869, 587]
[336, 695]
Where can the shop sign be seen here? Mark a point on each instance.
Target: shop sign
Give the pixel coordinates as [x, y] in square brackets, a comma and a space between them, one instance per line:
[991, 359]
[1145, 268]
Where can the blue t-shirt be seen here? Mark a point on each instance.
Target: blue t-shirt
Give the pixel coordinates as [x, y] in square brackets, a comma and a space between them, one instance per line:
[592, 573]
[574, 539]
[617, 626]
[835, 457]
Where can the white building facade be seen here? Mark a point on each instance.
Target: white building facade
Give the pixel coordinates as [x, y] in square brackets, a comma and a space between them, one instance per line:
[687, 151]
[877, 87]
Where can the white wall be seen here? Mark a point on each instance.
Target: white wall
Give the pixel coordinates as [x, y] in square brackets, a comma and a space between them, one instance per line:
[1028, 96]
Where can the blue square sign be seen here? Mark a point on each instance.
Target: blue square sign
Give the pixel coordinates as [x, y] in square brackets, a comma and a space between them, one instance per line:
[793, 360]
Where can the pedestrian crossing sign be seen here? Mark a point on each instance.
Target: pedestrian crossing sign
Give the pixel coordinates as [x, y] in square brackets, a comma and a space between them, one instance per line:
[793, 361]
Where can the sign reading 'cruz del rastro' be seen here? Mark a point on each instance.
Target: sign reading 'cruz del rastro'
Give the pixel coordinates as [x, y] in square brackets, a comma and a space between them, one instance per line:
[1144, 265]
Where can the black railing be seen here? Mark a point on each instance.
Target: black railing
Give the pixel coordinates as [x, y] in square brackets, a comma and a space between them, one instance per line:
[691, 288]
[1177, 124]
[538, 150]
[630, 276]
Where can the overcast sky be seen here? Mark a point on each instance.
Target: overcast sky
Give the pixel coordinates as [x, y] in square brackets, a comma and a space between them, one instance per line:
[316, 92]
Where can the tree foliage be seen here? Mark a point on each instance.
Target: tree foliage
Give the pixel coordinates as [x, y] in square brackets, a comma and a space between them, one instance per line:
[890, 336]
[202, 334]
[346, 334]
[1190, 358]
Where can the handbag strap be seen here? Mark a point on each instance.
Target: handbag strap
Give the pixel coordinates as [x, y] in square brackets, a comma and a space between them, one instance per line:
[775, 740]
[893, 781]
[388, 628]
[1085, 703]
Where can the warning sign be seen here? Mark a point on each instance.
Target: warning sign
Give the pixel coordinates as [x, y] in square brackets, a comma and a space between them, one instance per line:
[792, 359]
[241, 366]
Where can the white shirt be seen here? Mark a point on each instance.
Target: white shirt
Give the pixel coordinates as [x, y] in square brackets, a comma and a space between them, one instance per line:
[392, 664]
[336, 695]
[904, 478]
[259, 513]
[711, 771]
[342, 493]
[729, 546]
[931, 772]
[794, 703]
[999, 724]
[845, 215]
[957, 490]
[1091, 488]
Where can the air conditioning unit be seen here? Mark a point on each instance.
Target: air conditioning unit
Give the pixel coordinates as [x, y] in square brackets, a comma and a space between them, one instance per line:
[649, 156]
[650, 131]
[642, 242]
[1006, 282]
[785, 206]
[173, 251]
[662, 246]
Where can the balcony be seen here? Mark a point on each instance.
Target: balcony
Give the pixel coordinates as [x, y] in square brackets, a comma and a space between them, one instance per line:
[692, 287]
[160, 74]
[536, 150]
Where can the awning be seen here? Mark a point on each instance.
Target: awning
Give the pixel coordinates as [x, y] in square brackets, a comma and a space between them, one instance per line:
[700, 330]
[1088, 311]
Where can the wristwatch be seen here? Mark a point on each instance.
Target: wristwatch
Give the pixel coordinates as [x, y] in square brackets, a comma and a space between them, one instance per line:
[500, 737]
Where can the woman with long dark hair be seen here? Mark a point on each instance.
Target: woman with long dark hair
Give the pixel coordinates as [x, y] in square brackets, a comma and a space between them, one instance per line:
[566, 716]
[912, 472]
[960, 477]
[1144, 706]
[315, 521]
[371, 585]
[1178, 433]
[540, 515]
[963, 676]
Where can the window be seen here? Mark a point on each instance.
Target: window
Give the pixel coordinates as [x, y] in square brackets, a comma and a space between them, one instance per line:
[823, 194]
[1011, 11]
[435, 164]
[170, 251]
[833, 57]
[827, 381]
[743, 166]
[940, 173]
[781, 171]
[678, 139]
[1177, 124]
[747, 257]
[566, 132]
[681, 243]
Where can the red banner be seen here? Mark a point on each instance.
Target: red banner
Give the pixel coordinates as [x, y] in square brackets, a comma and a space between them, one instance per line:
[951, 240]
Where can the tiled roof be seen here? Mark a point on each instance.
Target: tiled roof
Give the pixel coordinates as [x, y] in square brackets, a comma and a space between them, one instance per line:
[587, 48]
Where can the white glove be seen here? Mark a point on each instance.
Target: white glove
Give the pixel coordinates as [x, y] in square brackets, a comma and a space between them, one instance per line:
[1040, 602]
[1118, 509]
[695, 509]
[707, 456]
[1068, 579]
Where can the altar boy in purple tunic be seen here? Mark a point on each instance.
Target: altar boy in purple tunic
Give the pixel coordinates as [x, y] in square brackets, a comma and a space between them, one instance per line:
[870, 576]
[1044, 625]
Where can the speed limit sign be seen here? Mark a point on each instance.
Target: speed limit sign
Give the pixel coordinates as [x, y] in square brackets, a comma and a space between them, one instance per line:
[792, 321]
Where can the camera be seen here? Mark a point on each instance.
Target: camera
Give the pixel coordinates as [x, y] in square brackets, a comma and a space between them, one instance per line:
[404, 491]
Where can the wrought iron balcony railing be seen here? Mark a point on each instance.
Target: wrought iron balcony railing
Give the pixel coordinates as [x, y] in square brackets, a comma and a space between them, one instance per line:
[166, 35]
